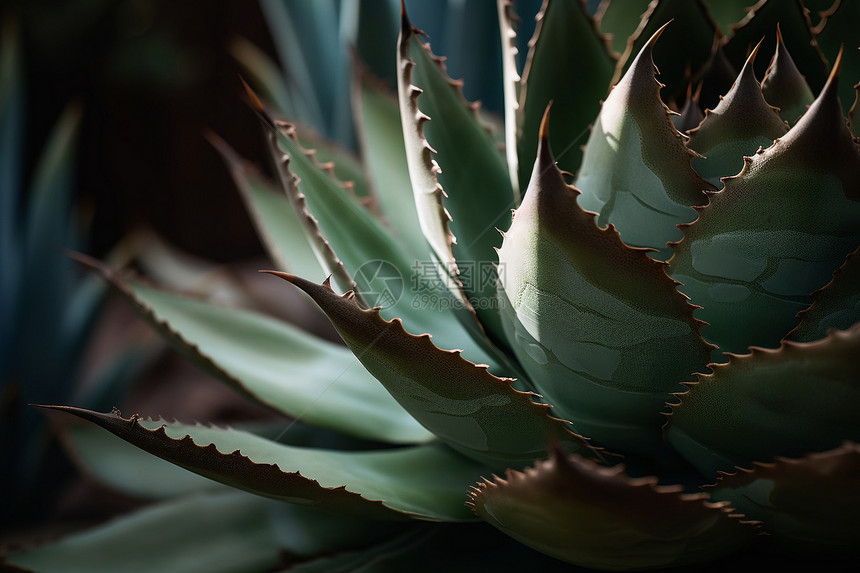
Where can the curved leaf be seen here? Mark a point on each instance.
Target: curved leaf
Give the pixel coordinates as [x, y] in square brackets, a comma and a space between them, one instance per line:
[423, 482]
[569, 64]
[784, 86]
[636, 170]
[691, 27]
[803, 397]
[276, 364]
[123, 467]
[468, 408]
[810, 503]
[793, 21]
[598, 518]
[219, 533]
[775, 233]
[742, 123]
[279, 227]
[837, 305]
[384, 154]
[460, 180]
[618, 19]
[354, 238]
[598, 327]
[838, 29]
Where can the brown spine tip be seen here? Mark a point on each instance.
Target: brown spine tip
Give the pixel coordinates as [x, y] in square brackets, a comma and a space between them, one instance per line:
[779, 39]
[544, 122]
[252, 95]
[837, 65]
[751, 57]
[655, 35]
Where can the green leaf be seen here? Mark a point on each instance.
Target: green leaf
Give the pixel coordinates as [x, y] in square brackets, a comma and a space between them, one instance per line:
[800, 398]
[741, 123]
[213, 532]
[423, 482]
[384, 154]
[264, 74]
[775, 233]
[126, 468]
[838, 31]
[439, 127]
[278, 225]
[636, 169]
[794, 24]
[569, 65]
[511, 88]
[468, 408]
[810, 503]
[354, 238]
[618, 19]
[598, 327]
[599, 518]
[276, 364]
[691, 27]
[784, 86]
[837, 305]
[729, 13]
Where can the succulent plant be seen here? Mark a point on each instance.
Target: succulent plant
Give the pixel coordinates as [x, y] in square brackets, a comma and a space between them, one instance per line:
[41, 318]
[652, 367]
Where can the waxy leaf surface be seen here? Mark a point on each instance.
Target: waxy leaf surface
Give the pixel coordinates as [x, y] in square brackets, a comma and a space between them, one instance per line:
[468, 408]
[598, 518]
[598, 327]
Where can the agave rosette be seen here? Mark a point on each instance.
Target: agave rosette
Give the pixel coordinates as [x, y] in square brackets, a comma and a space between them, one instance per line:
[684, 315]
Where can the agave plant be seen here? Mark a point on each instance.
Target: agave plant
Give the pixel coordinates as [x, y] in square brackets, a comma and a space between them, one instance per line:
[651, 367]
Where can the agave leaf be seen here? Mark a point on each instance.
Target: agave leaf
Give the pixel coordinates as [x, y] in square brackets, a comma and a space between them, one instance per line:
[217, 532]
[691, 114]
[563, 279]
[838, 28]
[800, 398]
[618, 19]
[776, 232]
[784, 86]
[422, 482]
[810, 502]
[510, 87]
[128, 469]
[468, 408]
[716, 78]
[277, 223]
[728, 13]
[598, 518]
[792, 19]
[837, 305]
[12, 115]
[691, 27]
[48, 228]
[384, 154]
[636, 170]
[569, 65]
[438, 125]
[741, 123]
[355, 239]
[263, 73]
[276, 364]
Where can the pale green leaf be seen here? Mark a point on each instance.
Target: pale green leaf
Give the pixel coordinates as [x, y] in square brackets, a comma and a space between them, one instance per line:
[598, 327]
[775, 233]
[423, 482]
[803, 397]
[468, 408]
[636, 171]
